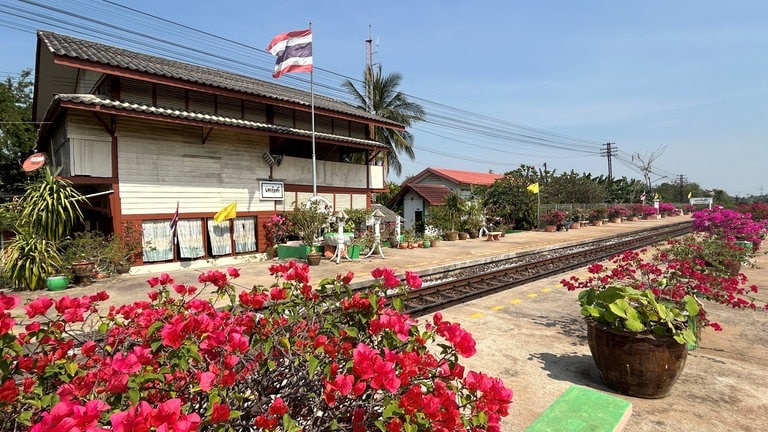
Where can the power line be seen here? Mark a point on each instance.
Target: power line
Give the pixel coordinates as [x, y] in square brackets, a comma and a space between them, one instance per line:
[126, 26]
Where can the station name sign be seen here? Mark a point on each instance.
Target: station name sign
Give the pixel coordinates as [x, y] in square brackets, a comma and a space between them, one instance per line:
[270, 190]
[701, 201]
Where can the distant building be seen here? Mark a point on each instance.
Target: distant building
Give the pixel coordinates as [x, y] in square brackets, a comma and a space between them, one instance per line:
[429, 188]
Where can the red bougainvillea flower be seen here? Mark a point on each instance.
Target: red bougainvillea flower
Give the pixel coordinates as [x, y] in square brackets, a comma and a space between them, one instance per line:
[413, 280]
[220, 413]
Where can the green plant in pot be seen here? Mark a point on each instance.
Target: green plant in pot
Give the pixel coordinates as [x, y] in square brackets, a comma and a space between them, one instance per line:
[308, 219]
[455, 206]
[40, 219]
[643, 313]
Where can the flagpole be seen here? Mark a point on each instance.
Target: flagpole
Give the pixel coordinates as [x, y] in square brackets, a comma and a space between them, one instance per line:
[312, 102]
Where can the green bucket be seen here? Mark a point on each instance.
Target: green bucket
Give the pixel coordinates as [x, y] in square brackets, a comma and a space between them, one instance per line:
[57, 283]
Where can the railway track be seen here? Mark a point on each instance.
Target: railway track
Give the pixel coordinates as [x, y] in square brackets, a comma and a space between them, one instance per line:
[445, 289]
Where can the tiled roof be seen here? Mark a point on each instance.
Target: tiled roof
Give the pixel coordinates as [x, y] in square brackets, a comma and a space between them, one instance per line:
[109, 55]
[467, 177]
[433, 194]
[97, 101]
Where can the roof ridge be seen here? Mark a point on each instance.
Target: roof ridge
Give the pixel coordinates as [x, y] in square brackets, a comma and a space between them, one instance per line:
[92, 51]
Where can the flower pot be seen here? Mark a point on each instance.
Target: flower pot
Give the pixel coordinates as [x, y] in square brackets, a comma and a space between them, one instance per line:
[313, 259]
[463, 236]
[426, 244]
[473, 234]
[616, 220]
[596, 223]
[83, 271]
[550, 228]
[56, 283]
[353, 251]
[451, 236]
[575, 225]
[122, 268]
[636, 364]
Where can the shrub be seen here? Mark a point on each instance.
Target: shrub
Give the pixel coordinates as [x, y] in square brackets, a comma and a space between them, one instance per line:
[554, 217]
[281, 358]
[618, 212]
[729, 224]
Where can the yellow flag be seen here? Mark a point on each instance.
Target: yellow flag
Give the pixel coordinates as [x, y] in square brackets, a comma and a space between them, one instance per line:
[689, 195]
[534, 188]
[228, 212]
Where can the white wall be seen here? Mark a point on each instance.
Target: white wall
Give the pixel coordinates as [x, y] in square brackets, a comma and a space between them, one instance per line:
[173, 164]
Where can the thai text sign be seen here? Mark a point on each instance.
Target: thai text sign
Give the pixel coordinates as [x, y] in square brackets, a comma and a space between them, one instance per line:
[271, 190]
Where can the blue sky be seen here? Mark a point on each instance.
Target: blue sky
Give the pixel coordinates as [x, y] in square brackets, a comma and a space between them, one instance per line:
[686, 80]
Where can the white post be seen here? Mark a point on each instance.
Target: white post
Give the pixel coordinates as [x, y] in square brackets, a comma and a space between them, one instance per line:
[312, 103]
[377, 215]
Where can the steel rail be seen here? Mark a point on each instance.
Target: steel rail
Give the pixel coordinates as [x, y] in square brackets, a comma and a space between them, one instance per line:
[449, 288]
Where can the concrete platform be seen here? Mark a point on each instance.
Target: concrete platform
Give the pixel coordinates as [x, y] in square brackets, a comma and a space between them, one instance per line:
[534, 339]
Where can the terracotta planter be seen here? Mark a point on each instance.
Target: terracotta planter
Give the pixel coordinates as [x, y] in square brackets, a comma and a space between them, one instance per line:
[463, 236]
[596, 223]
[616, 220]
[636, 364]
[83, 271]
[575, 225]
[550, 228]
[403, 245]
[451, 236]
[313, 259]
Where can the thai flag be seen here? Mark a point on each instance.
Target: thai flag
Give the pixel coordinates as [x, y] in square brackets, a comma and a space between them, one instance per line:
[175, 218]
[293, 51]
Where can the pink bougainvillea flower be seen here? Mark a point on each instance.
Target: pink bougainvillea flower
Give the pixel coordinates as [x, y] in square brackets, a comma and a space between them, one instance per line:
[233, 272]
[413, 280]
[38, 306]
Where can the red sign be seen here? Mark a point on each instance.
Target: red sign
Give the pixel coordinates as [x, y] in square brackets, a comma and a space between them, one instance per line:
[33, 162]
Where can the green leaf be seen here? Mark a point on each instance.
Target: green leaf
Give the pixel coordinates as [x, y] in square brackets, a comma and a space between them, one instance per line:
[634, 325]
[133, 395]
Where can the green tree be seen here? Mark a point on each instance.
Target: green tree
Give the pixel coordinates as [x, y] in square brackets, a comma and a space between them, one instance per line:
[508, 197]
[382, 97]
[17, 134]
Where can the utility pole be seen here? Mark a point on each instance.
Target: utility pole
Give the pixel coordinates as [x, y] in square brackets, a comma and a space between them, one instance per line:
[681, 181]
[609, 152]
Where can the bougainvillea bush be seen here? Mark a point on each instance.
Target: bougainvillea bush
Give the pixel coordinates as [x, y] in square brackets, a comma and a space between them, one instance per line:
[730, 225]
[288, 357]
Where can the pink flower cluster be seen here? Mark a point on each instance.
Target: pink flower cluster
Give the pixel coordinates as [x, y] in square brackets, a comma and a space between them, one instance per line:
[285, 357]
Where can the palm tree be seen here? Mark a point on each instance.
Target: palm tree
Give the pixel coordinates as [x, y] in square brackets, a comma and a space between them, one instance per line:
[382, 98]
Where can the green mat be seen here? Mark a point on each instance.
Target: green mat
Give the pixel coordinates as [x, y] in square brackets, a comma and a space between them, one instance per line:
[583, 409]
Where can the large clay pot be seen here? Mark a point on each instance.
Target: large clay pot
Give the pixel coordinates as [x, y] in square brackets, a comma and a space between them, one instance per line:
[463, 236]
[451, 236]
[313, 259]
[83, 271]
[550, 228]
[636, 364]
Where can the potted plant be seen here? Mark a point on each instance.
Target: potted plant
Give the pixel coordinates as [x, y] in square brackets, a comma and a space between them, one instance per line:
[307, 220]
[84, 252]
[596, 216]
[650, 212]
[473, 219]
[652, 299]
[577, 216]
[637, 337]
[553, 219]
[454, 206]
[635, 212]
[617, 213]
